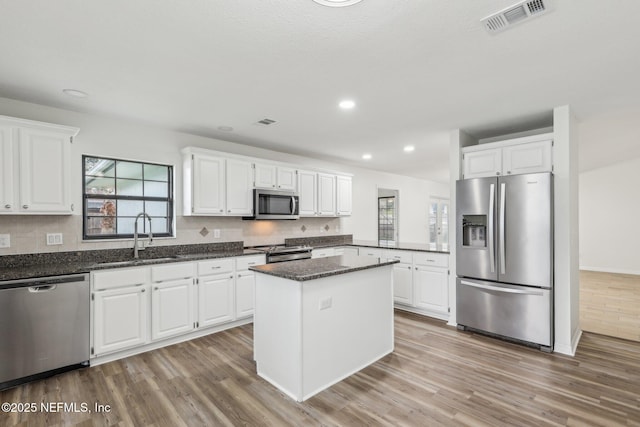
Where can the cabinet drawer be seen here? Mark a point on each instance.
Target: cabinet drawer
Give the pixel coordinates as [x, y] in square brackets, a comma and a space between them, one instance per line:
[120, 277]
[175, 271]
[431, 259]
[402, 256]
[215, 266]
[370, 252]
[244, 262]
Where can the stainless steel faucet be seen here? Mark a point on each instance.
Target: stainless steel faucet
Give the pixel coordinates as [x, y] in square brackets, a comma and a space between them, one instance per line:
[135, 232]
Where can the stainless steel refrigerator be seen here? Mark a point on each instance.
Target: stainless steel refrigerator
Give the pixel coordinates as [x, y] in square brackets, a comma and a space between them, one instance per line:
[504, 257]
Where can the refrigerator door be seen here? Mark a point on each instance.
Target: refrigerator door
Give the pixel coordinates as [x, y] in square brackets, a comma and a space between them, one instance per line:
[512, 311]
[525, 230]
[475, 228]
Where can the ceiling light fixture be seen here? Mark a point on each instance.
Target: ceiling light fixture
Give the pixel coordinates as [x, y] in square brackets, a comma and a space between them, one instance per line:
[409, 148]
[366, 156]
[75, 93]
[337, 3]
[347, 104]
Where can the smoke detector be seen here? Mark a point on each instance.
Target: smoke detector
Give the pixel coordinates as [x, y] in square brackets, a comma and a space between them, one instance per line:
[517, 13]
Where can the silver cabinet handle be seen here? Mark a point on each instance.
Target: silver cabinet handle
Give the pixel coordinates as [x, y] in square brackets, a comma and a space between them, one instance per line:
[155, 289]
[142, 290]
[221, 210]
[25, 206]
[7, 206]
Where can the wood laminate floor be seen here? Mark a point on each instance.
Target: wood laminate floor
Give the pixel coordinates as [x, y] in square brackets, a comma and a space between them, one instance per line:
[436, 376]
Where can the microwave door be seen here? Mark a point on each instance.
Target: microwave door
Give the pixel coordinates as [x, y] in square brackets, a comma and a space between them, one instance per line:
[476, 209]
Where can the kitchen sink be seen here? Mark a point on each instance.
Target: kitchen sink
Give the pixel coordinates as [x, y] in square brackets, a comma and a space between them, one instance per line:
[134, 262]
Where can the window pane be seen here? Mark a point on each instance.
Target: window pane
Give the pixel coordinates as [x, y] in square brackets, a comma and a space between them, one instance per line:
[156, 173]
[99, 185]
[129, 170]
[159, 225]
[99, 167]
[157, 208]
[125, 225]
[128, 187]
[156, 189]
[130, 207]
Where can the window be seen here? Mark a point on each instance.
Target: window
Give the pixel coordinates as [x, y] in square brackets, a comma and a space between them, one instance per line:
[439, 222]
[116, 191]
[387, 221]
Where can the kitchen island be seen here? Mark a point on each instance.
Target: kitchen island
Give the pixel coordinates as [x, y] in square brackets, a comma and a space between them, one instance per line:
[318, 321]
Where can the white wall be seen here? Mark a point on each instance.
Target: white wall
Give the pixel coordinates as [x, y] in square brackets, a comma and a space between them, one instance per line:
[112, 137]
[609, 218]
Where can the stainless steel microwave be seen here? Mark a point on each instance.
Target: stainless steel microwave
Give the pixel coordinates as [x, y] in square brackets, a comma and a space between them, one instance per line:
[274, 204]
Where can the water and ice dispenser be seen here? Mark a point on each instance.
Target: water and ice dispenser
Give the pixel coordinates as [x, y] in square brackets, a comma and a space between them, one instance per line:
[474, 230]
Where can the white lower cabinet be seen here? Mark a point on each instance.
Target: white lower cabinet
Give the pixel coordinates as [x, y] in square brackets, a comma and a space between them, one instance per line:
[120, 319]
[431, 286]
[323, 252]
[172, 308]
[215, 299]
[402, 284]
[245, 294]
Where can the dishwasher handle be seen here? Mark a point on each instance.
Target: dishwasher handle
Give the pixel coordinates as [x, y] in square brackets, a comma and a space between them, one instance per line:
[42, 288]
[43, 283]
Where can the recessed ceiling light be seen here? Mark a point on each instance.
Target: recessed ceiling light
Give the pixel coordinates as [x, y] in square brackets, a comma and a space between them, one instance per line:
[337, 3]
[75, 93]
[409, 148]
[225, 128]
[366, 156]
[347, 104]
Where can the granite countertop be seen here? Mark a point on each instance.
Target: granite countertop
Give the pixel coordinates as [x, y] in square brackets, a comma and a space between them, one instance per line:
[347, 240]
[57, 264]
[420, 247]
[317, 268]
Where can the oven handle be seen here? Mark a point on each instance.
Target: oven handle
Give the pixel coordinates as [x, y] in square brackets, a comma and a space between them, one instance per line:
[293, 205]
[500, 289]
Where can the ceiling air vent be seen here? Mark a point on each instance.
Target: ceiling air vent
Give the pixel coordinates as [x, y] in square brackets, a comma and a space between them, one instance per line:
[265, 122]
[519, 12]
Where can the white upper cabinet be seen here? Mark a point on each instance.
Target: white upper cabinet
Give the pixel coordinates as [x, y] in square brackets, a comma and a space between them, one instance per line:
[326, 194]
[239, 190]
[207, 192]
[343, 195]
[518, 156]
[483, 163]
[308, 193]
[275, 177]
[527, 158]
[35, 172]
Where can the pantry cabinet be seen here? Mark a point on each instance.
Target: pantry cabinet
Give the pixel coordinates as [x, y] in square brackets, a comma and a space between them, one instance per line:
[35, 173]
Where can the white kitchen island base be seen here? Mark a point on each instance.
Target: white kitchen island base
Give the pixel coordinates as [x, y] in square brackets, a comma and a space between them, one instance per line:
[311, 334]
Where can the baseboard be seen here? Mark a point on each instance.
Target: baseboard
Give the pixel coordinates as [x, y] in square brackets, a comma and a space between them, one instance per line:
[569, 349]
[610, 270]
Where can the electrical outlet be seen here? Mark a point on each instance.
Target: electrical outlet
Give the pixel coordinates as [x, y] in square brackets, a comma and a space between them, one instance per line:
[5, 240]
[325, 303]
[216, 233]
[54, 239]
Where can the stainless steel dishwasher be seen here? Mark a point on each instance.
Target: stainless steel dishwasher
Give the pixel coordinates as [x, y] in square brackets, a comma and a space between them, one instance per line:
[44, 327]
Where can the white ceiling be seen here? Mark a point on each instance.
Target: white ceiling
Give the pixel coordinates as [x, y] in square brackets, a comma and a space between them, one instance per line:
[416, 68]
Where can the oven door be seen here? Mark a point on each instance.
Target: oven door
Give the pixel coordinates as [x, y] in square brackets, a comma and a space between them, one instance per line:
[269, 204]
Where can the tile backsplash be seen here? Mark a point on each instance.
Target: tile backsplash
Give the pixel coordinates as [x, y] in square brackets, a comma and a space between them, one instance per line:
[28, 234]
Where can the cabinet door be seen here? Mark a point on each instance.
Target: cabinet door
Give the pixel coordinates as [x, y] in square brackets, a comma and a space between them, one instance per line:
[322, 252]
[326, 194]
[287, 179]
[308, 193]
[344, 196]
[239, 187]
[215, 299]
[208, 185]
[402, 284]
[531, 157]
[265, 176]
[7, 202]
[431, 289]
[119, 319]
[377, 253]
[171, 308]
[45, 171]
[478, 164]
[245, 289]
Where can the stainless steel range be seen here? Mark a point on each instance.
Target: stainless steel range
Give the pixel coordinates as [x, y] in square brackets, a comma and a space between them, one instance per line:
[282, 253]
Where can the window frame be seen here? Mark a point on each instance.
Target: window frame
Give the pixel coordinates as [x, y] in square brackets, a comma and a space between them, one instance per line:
[170, 200]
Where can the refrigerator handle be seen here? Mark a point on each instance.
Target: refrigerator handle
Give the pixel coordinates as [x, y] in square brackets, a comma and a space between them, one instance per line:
[500, 289]
[502, 227]
[492, 255]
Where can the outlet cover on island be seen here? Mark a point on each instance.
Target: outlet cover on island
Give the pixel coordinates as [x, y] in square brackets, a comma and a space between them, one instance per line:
[216, 233]
[5, 241]
[54, 239]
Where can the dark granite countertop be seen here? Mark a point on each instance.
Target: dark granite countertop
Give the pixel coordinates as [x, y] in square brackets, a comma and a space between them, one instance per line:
[317, 268]
[19, 267]
[419, 247]
[347, 240]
